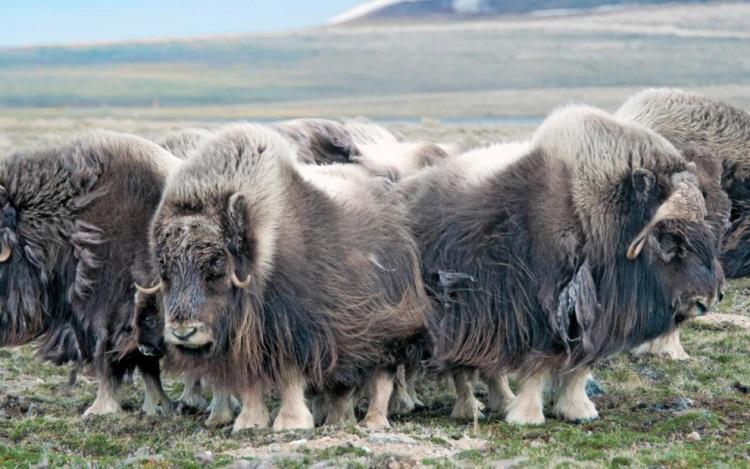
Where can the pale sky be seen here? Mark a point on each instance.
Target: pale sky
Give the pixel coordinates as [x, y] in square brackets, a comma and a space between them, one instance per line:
[34, 22]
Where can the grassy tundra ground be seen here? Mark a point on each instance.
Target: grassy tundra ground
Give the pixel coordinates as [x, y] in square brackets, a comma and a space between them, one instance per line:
[653, 412]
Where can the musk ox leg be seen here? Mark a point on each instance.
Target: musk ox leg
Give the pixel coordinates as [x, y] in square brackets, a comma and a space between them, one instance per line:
[499, 394]
[222, 410]
[411, 385]
[155, 398]
[293, 414]
[191, 393]
[254, 411]
[107, 401]
[667, 346]
[320, 405]
[572, 402]
[528, 407]
[379, 392]
[401, 400]
[341, 409]
[467, 407]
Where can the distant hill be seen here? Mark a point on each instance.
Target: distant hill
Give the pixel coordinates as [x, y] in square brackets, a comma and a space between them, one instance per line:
[390, 65]
[461, 9]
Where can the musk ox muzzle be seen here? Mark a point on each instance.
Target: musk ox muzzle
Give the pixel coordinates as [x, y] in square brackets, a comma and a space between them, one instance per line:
[191, 335]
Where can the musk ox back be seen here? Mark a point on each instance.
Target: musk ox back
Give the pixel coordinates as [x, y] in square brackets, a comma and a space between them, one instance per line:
[689, 120]
[592, 242]
[68, 258]
[272, 271]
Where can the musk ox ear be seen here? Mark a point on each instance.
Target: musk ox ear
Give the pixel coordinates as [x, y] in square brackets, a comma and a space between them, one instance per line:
[685, 203]
[643, 182]
[668, 246]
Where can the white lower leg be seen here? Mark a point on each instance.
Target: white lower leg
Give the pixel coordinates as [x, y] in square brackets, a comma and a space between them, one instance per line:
[107, 401]
[527, 408]
[222, 411]
[572, 402]
[293, 414]
[467, 407]
[191, 393]
[667, 346]
[155, 398]
[254, 411]
[499, 393]
[379, 393]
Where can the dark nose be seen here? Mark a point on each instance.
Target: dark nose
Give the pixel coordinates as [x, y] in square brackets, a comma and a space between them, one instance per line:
[184, 334]
[703, 307]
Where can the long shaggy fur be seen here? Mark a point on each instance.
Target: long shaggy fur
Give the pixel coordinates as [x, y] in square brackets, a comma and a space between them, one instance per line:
[70, 277]
[527, 264]
[691, 120]
[335, 288]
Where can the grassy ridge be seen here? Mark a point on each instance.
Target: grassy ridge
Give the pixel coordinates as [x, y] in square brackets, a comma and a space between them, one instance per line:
[687, 46]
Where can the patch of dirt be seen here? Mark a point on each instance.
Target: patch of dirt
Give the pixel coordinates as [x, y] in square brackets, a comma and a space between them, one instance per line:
[718, 318]
[376, 443]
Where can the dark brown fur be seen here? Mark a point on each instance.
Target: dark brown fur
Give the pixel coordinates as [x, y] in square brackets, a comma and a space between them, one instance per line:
[75, 218]
[528, 268]
[335, 286]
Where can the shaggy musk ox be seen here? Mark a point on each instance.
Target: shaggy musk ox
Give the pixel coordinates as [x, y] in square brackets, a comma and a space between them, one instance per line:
[271, 271]
[590, 242]
[74, 239]
[715, 135]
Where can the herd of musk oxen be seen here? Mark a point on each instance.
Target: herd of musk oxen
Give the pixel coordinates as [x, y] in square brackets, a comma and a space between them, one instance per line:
[328, 262]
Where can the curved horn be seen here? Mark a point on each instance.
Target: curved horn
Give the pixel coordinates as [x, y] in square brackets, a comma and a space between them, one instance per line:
[150, 290]
[685, 203]
[241, 284]
[6, 252]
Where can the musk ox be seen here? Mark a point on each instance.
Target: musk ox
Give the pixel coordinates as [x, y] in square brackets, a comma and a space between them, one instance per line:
[721, 131]
[271, 271]
[591, 242]
[181, 142]
[74, 239]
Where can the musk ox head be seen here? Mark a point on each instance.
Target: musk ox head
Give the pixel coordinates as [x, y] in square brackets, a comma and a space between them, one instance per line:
[651, 252]
[148, 327]
[214, 239]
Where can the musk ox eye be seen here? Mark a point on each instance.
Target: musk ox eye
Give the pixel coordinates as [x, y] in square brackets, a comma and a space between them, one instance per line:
[150, 322]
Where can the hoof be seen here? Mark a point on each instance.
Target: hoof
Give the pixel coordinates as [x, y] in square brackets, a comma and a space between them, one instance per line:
[375, 422]
[293, 421]
[524, 414]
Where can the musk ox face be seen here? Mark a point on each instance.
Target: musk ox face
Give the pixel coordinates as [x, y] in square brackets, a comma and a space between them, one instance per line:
[23, 281]
[678, 247]
[149, 327]
[683, 254]
[199, 284]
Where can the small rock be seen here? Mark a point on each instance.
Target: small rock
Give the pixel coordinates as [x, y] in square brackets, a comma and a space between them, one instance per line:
[386, 438]
[594, 388]
[301, 442]
[694, 436]
[536, 444]
[204, 457]
[681, 403]
[509, 463]
[244, 464]
[743, 388]
[322, 465]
